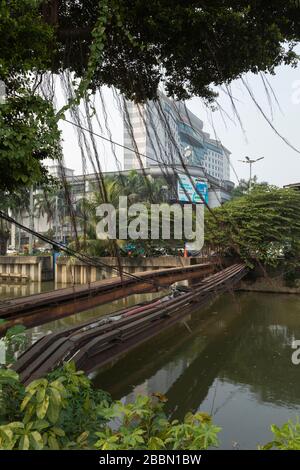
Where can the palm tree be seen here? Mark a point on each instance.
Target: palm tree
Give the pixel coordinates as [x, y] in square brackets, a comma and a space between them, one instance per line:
[113, 190]
[52, 204]
[87, 219]
[43, 205]
[19, 204]
[15, 204]
[136, 188]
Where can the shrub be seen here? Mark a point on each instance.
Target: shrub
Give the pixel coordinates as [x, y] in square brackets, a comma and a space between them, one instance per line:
[285, 438]
[63, 411]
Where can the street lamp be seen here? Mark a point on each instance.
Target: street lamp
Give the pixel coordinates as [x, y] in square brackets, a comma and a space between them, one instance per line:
[250, 163]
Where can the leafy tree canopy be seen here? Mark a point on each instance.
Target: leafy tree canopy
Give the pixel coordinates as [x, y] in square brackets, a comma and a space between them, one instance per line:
[132, 45]
[28, 127]
[244, 186]
[188, 45]
[261, 225]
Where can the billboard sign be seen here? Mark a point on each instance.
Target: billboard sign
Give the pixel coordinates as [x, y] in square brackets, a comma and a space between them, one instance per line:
[189, 188]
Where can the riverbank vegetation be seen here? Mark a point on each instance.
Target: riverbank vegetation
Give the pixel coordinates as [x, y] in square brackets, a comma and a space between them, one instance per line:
[64, 411]
[262, 226]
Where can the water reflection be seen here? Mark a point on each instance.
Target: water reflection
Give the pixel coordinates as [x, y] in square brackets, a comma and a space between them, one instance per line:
[9, 291]
[35, 333]
[232, 360]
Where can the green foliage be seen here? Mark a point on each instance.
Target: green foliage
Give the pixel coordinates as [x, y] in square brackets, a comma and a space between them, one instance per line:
[28, 135]
[81, 413]
[11, 395]
[63, 411]
[244, 186]
[131, 45]
[262, 225]
[144, 425]
[28, 125]
[286, 437]
[15, 202]
[59, 411]
[137, 189]
[14, 339]
[25, 39]
[51, 202]
[183, 44]
[40, 410]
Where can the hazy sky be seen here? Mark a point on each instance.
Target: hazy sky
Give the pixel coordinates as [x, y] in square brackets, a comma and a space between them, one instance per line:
[281, 164]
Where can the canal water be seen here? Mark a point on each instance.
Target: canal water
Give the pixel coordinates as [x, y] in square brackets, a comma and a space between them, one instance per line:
[231, 359]
[33, 334]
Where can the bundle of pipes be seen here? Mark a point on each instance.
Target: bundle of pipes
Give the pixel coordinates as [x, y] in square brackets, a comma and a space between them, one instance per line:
[99, 341]
[42, 308]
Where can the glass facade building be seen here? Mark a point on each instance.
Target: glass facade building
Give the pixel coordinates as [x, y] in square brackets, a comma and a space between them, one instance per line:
[166, 131]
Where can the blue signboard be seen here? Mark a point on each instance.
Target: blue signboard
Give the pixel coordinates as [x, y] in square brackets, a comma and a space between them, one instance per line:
[190, 189]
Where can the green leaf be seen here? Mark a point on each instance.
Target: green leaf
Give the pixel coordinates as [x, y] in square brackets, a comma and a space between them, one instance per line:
[53, 412]
[27, 399]
[53, 443]
[55, 396]
[35, 384]
[24, 443]
[40, 394]
[82, 438]
[8, 376]
[37, 440]
[58, 431]
[42, 408]
[41, 424]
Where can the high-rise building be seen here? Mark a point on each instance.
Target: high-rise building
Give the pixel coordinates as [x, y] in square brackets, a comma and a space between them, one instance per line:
[164, 131]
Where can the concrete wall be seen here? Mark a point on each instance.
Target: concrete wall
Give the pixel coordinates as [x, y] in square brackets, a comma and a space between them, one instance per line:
[70, 271]
[33, 268]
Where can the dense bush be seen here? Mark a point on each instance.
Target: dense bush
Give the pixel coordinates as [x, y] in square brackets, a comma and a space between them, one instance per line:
[261, 226]
[285, 438]
[55, 412]
[63, 411]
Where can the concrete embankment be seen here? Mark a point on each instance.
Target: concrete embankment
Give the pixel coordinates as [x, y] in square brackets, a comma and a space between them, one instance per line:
[26, 268]
[72, 271]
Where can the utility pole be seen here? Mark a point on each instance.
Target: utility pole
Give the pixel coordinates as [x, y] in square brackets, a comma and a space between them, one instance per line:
[250, 163]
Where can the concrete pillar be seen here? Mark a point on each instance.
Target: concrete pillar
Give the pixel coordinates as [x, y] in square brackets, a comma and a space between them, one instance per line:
[39, 271]
[31, 272]
[23, 269]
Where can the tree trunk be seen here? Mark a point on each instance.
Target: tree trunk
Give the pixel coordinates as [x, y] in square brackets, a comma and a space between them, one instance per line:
[50, 12]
